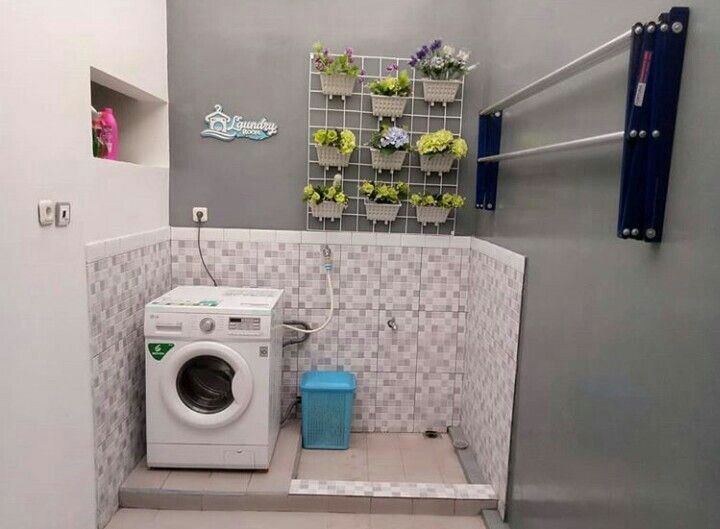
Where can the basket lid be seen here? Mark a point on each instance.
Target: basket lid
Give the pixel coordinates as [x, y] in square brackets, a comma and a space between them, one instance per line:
[328, 381]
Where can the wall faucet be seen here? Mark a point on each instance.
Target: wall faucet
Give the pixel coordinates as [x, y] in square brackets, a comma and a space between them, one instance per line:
[392, 324]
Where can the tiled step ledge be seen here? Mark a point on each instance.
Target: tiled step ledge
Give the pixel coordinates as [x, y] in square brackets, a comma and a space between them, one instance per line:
[498, 253]
[96, 250]
[384, 489]
[284, 502]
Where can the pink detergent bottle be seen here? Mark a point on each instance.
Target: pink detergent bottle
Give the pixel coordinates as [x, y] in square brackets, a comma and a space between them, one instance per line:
[109, 134]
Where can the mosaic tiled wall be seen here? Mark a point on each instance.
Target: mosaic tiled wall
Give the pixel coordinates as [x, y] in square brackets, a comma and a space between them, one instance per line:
[122, 275]
[409, 379]
[493, 322]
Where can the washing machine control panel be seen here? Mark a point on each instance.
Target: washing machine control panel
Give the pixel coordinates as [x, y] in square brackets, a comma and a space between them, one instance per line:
[204, 326]
[244, 325]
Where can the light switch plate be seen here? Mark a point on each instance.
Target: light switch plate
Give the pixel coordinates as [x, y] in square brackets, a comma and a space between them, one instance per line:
[204, 212]
[62, 214]
[46, 212]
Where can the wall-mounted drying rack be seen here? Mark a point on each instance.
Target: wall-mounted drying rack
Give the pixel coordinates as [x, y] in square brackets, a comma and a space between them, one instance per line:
[655, 68]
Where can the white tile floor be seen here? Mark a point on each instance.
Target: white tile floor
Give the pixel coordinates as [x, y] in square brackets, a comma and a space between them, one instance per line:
[395, 457]
[153, 519]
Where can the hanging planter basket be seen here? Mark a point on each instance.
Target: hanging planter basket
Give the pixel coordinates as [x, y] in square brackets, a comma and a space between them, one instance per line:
[381, 212]
[431, 214]
[387, 162]
[329, 156]
[437, 163]
[337, 85]
[388, 106]
[327, 209]
[440, 91]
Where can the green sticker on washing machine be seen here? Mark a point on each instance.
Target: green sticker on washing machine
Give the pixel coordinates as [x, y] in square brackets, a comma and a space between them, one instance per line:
[158, 350]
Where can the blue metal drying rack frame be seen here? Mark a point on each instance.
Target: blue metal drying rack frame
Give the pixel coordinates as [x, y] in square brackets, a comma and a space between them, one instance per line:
[657, 51]
[654, 74]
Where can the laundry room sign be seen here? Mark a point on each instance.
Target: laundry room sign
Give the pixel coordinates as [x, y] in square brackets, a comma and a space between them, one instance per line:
[158, 350]
[223, 127]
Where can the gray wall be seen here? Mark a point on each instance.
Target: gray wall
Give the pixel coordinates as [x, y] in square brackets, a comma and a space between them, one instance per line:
[616, 416]
[251, 56]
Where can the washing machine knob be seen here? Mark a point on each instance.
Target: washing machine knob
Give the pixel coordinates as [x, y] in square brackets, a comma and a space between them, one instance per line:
[207, 325]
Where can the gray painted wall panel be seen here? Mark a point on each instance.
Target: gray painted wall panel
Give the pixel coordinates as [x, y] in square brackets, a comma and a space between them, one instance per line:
[251, 56]
[616, 418]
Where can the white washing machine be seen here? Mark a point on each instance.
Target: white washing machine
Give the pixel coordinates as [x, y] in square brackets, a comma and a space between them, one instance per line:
[213, 360]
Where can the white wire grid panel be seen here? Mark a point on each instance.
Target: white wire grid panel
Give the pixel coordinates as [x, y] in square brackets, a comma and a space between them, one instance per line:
[355, 113]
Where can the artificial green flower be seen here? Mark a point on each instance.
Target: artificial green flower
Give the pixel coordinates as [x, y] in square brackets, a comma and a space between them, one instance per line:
[320, 136]
[308, 191]
[316, 197]
[341, 198]
[332, 136]
[435, 142]
[347, 142]
[330, 192]
[446, 200]
[402, 188]
[366, 188]
[459, 148]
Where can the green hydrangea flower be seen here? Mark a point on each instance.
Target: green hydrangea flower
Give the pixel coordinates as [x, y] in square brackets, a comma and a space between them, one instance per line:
[332, 136]
[308, 191]
[435, 142]
[341, 198]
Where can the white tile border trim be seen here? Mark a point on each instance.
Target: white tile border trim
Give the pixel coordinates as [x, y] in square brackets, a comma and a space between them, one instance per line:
[508, 257]
[96, 250]
[384, 489]
[414, 240]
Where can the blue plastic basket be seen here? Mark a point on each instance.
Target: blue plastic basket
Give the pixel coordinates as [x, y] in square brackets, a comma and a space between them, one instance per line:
[327, 406]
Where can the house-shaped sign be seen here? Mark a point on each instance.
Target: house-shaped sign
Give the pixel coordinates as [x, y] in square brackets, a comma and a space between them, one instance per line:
[226, 128]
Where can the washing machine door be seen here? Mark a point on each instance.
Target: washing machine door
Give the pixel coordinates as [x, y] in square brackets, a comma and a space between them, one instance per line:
[206, 384]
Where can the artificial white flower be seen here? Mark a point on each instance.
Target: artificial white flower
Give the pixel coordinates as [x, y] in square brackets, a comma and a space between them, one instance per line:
[337, 180]
[463, 55]
[448, 50]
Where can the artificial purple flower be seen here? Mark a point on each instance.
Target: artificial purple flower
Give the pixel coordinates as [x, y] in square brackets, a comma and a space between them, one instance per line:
[426, 49]
[392, 67]
[326, 52]
[331, 60]
[395, 137]
[435, 45]
[319, 65]
[413, 61]
[421, 54]
[349, 51]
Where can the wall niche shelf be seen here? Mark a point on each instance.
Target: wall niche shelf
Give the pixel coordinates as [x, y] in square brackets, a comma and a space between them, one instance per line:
[142, 120]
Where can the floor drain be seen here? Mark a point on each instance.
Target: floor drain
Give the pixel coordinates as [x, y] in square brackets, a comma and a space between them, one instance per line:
[431, 434]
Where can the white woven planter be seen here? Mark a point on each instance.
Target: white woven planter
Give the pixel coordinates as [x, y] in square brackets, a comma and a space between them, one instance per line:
[439, 91]
[387, 162]
[329, 156]
[388, 106]
[439, 163]
[327, 209]
[337, 85]
[431, 214]
[381, 212]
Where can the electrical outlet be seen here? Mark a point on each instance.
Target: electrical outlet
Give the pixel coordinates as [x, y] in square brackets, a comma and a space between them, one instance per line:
[46, 212]
[62, 214]
[204, 212]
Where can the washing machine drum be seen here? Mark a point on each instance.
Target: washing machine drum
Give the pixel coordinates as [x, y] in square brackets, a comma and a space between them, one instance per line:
[206, 384]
